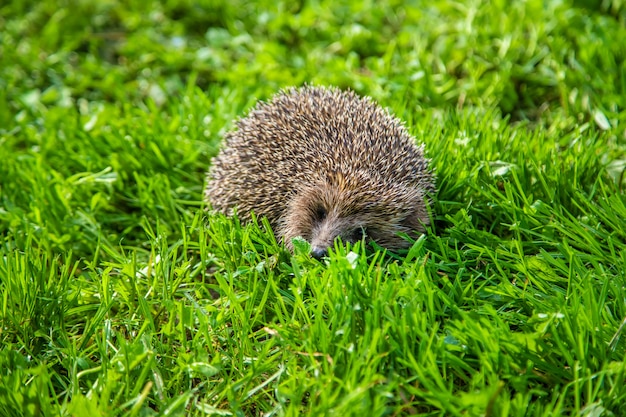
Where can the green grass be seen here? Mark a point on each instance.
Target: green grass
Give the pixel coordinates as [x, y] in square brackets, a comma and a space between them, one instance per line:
[119, 295]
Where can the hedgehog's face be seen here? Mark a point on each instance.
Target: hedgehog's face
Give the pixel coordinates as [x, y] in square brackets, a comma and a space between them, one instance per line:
[323, 213]
[328, 222]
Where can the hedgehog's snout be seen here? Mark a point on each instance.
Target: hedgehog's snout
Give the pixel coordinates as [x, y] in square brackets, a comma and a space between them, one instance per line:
[319, 247]
[319, 252]
[322, 237]
[330, 228]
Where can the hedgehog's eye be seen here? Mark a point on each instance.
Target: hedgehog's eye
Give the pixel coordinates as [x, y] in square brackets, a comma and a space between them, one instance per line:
[320, 213]
[356, 235]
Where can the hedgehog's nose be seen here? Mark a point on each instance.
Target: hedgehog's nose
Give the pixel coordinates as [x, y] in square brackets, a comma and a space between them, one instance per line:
[319, 252]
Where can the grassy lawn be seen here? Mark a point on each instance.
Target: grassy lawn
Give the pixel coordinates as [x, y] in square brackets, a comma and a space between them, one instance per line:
[120, 295]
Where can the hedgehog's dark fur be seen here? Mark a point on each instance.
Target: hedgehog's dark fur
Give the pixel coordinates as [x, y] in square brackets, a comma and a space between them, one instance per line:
[321, 163]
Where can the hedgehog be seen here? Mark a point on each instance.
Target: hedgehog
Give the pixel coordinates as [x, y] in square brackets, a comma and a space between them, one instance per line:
[321, 163]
